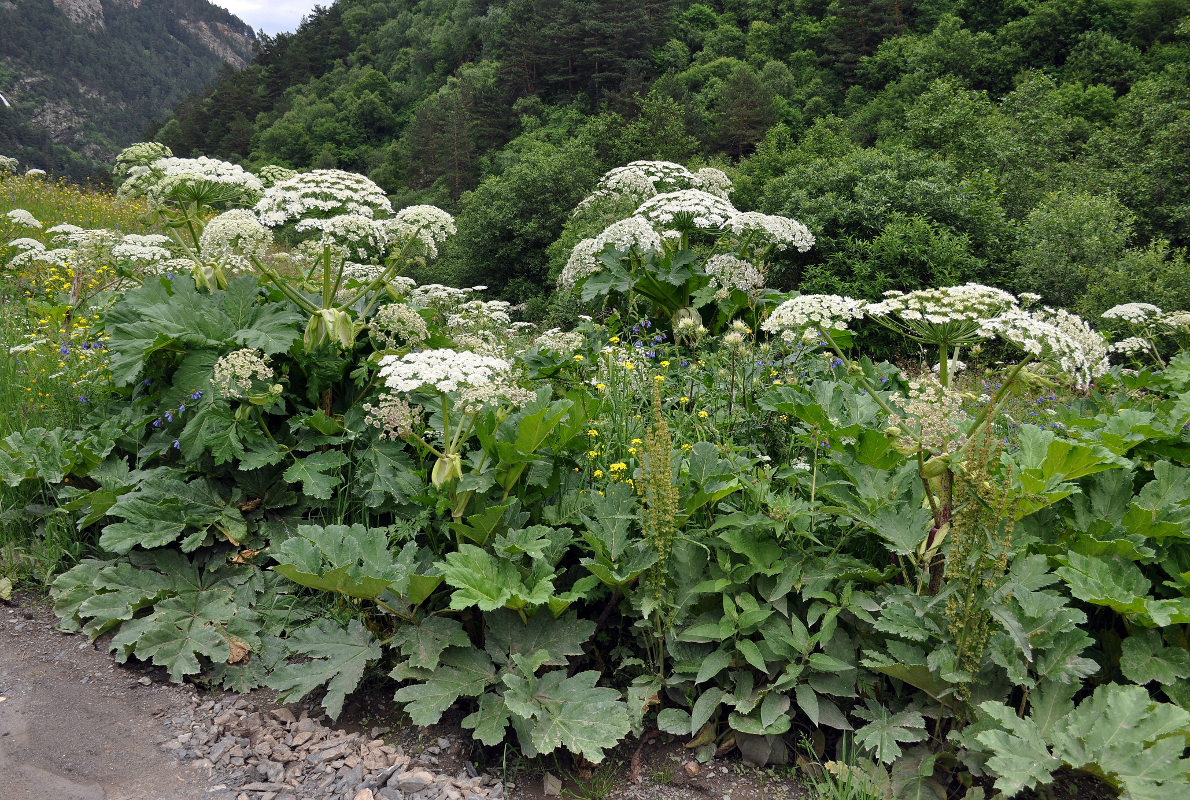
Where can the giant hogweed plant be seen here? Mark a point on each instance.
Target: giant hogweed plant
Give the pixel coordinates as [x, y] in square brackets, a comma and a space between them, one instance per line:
[737, 540]
[685, 247]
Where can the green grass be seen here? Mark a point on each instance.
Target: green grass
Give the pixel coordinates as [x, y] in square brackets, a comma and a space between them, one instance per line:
[40, 387]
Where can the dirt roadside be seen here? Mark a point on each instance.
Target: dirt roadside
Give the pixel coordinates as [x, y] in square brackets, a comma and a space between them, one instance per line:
[74, 725]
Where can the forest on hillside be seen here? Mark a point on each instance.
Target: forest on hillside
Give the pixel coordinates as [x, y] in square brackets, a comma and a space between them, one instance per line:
[1039, 145]
[81, 92]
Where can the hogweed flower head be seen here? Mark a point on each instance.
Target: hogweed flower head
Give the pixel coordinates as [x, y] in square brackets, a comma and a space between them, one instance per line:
[396, 323]
[240, 372]
[780, 233]
[813, 311]
[354, 236]
[23, 218]
[1043, 341]
[322, 193]
[234, 238]
[728, 272]
[203, 180]
[687, 208]
[947, 317]
[558, 341]
[581, 263]
[393, 416]
[635, 235]
[442, 370]
[140, 154]
[1093, 345]
[271, 174]
[713, 181]
[1131, 346]
[931, 416]
[1133, 313]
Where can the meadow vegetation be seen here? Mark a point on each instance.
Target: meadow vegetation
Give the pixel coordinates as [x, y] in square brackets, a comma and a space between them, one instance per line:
[939, 536]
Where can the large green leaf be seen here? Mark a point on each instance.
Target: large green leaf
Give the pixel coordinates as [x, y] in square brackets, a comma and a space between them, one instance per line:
[333, 655]
[422, 643]
[1146, 658]
[1020, 758]
[463, 672]
[351, 560]
[886, 730]
[318, 473]
[568, 712]
[162, 509]
[387, 473]
[558, 638]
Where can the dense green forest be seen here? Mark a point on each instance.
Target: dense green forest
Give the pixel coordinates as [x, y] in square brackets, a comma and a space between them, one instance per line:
[82, 88]
[1041, 146]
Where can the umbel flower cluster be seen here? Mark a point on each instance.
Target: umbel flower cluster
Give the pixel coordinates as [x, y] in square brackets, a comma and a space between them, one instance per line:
[239, 372]
[234, 238]
[441, 370]
[687, 207]
[186, 179]
[820, 311]
[322, 193]
[474, 379]
[953, 316]
[640, 180]
[674, 204]
[396, 324]
[430, 224]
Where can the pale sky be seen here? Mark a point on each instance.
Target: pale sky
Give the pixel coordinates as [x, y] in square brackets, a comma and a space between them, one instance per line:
[274, 16]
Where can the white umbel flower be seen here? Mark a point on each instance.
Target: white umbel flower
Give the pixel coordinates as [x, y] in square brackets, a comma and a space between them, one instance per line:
[23, 218]
[235, 237]
[730, 272]
[697, 208]
[1043, 341]
[1093, 345]
[816, 311]
[358, 236]
[322, 193]
[1130, 346]
[442, 370]
[713, 181]
[240, 371]
[581, 263]
[970, 302]
[781, 233]
[1133, 313]
[634, 234]
[174, 177]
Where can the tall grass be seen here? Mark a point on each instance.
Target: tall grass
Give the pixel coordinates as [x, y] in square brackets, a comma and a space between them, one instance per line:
[44, 380]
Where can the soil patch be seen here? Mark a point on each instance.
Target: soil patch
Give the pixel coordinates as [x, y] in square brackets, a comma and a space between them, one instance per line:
[75, 725]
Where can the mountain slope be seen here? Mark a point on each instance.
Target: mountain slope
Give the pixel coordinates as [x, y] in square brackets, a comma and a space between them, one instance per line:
[924, 142]
[87, 77]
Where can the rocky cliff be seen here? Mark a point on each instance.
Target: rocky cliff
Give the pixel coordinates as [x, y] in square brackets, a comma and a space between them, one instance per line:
[86, 77]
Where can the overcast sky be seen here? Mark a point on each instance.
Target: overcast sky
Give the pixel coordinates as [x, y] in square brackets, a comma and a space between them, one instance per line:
[274, 16]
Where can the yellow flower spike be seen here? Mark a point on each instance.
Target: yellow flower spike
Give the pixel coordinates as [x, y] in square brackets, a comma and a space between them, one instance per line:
[637, 441]
[664, 364]
[686, 448]
[659, 379]
[598, 473]
[601, 386]
[614, 340]
[578, 358]
[631, 451]
[592, 432]
[684, 399]
[703, 415]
